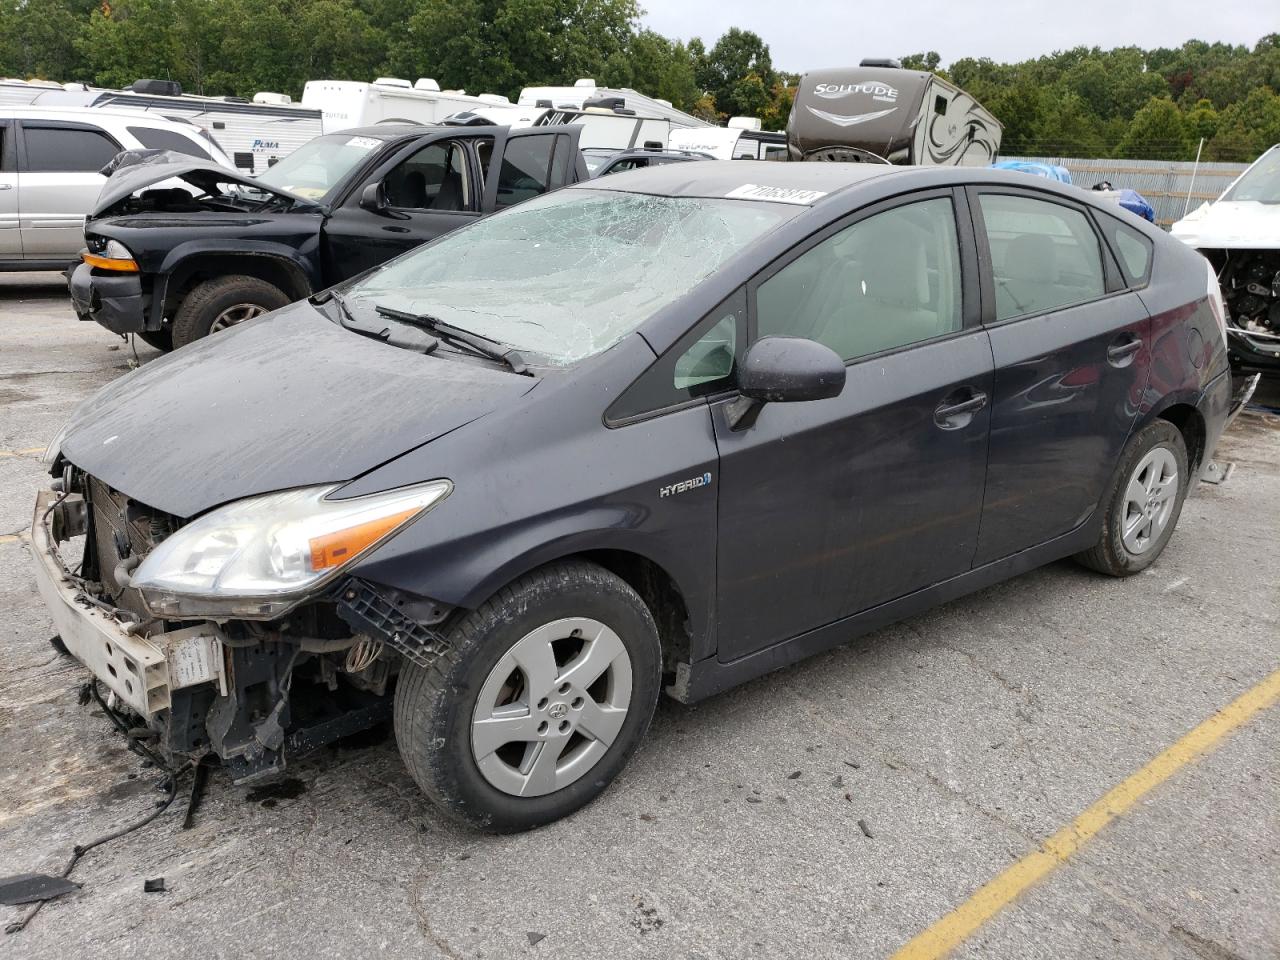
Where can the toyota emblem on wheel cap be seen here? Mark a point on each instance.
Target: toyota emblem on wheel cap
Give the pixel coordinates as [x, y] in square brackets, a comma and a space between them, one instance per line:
[557, 710]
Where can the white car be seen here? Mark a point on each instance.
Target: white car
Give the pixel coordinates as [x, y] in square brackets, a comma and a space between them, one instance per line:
[1239, 233]
[50, 158]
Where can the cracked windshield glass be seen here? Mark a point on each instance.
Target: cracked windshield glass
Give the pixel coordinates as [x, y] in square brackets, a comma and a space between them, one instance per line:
[568, 275]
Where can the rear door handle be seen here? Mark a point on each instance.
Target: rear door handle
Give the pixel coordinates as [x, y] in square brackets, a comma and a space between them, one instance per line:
[951, 415]
[1121, 352]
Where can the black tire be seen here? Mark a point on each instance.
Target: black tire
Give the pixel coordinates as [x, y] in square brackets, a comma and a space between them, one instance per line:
[160, 339]
[205, 302]
[434, 706]
[1110, 555]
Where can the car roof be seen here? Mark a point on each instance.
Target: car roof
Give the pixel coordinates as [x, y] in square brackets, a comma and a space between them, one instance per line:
[720, 178]
[89, 113]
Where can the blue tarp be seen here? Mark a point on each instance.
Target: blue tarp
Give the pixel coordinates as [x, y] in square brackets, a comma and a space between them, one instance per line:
[1049, 170]
[1134, 202]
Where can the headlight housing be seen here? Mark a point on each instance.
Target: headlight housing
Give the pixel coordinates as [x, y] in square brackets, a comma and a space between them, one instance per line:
[55, 445]
[111, 255]
[258, 557]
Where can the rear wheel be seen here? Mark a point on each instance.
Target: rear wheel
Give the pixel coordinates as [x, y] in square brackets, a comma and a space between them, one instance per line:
[222, 303]
[539, 701]
[1144, 504]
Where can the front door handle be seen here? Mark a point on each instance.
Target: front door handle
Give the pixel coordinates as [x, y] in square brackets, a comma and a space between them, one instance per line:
[6, 186]
[954, 413]
[1120, 353]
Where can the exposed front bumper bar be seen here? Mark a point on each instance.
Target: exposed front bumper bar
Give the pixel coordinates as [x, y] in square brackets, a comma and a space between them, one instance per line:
[141, 671]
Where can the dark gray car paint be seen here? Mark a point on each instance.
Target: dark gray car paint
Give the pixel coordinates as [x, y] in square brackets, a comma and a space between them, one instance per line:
[252, 412]
[539, 476]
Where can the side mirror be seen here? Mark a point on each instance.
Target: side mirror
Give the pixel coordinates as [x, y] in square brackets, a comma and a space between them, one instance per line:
[784, 370]
[374, 197]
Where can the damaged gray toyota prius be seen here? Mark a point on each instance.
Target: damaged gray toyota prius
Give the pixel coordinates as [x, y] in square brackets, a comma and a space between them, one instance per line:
[671, 430]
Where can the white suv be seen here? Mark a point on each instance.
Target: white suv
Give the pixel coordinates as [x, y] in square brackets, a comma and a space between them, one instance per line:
[49, 179]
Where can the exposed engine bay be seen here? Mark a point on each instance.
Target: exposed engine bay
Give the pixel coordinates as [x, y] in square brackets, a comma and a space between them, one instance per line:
[252, 693]
[1250, 281]
[177, 200]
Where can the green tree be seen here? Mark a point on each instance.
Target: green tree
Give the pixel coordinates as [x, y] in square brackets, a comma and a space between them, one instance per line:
[1157, 132]
[727, 70]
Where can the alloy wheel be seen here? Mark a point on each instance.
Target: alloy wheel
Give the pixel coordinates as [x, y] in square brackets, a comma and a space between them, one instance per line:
[1149, 500]
[551, 707]
[238, 313]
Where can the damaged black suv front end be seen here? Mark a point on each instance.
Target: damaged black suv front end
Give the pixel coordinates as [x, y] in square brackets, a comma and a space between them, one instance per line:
[251, 680]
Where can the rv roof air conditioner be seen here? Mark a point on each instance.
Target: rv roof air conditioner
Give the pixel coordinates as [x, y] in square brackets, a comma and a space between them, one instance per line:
[744, 123]
[886, 62]
[393, 82]
[426, 83]
[161, 88]
[277, 99]
[584, 82]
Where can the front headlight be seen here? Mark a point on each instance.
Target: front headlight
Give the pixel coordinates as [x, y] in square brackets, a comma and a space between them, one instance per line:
[112, 255]
[257, 557]
[55, 445]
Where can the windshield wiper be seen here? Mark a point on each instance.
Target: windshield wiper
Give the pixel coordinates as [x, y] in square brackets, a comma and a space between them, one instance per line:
[417, 339]
[459, 337]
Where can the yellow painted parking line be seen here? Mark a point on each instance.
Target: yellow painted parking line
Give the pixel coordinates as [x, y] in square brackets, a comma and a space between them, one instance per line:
[957, 926]
[21, 453]
[13, 537]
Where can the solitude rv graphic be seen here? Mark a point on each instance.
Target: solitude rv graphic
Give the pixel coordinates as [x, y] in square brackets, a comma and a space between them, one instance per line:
[876, 89]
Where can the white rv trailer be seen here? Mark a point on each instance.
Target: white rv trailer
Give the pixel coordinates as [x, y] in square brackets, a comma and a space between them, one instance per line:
[611, 119]
[584, 91]
[742, 139]
[349, 103]
[254, 134]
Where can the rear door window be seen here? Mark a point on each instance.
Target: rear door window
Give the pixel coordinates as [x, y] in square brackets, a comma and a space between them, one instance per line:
[526, 168]
[156, 139]
[67, 149]
[1044, 255]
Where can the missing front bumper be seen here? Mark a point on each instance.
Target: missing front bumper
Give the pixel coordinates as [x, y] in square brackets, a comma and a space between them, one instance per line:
[142, 671]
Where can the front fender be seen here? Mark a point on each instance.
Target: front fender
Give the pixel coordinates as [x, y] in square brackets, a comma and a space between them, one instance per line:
[301, 265]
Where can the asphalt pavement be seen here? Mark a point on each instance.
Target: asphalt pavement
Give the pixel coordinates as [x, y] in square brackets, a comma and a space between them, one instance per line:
[839, 808]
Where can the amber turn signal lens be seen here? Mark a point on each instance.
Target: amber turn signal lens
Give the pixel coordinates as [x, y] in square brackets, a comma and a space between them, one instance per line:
[110, 263]
[335, 549]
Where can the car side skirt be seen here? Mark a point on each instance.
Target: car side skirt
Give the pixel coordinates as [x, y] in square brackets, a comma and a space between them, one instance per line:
[697, 681]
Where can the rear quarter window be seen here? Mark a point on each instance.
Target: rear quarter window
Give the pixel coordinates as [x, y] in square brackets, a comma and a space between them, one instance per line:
[1132, 248]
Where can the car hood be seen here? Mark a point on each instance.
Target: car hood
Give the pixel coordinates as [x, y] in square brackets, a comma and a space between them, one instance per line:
[1229, 225]
[152, 168]
[288, 400]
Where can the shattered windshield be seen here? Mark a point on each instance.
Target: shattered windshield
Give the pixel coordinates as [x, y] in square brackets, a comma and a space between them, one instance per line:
[1261, 182]
[571, 273]
[315, 168]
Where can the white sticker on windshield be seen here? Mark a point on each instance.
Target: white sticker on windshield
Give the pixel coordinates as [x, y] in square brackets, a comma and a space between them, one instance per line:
[751, 191]
[364, 143]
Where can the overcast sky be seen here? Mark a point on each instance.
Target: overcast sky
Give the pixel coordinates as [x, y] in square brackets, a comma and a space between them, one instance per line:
[803, 34]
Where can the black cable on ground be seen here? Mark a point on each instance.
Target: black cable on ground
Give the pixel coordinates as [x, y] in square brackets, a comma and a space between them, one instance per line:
[81, 849]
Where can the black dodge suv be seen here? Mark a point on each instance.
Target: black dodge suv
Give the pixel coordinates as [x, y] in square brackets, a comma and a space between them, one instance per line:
[178, 248]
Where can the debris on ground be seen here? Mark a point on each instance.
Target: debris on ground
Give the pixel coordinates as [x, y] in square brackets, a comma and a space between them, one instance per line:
[535, 938]
[851, 763]
[31, 887]
[866, 830]
[155, 885]
[794, 776]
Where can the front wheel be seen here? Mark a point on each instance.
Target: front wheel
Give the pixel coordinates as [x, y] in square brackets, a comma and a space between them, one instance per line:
[221, 303]
[540, 699]
[1144, 505]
